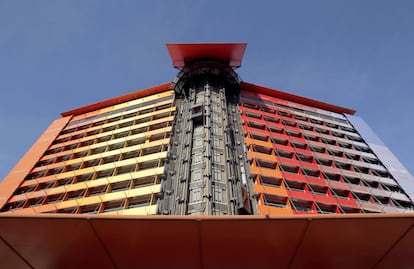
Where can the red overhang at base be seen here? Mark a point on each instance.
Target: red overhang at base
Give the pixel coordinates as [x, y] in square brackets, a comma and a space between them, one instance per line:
[311, 241]
[231, 53]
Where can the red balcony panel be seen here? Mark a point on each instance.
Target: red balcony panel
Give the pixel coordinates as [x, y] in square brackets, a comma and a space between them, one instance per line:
[338, 185]
[329, 200]
[294, 177]
[378, 192]
[289, 162]
[359, 188]
[300, 195]
[316, 181]
[369, 206]
[347, 203]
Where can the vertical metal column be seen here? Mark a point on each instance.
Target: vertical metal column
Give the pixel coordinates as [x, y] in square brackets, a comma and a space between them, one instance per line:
[207, 169]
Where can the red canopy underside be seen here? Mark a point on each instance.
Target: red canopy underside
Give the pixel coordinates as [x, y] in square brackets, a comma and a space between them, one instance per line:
[226, 52]
[312, 241]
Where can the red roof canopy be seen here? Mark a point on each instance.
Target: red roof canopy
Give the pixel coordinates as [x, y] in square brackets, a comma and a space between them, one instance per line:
[301, 241]
[184, 53]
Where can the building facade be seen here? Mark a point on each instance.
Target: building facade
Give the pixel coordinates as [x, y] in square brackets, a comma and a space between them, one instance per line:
[208, 144]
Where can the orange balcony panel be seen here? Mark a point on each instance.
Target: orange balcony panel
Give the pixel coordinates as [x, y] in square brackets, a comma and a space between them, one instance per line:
[264, 172]
[270, 190]
[251, 141]
[299, 212]
[262, 156]
[271, 210]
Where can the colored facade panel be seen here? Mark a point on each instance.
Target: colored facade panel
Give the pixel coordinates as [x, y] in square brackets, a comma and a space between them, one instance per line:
[394, 166]
[107, 161]
[307, 160]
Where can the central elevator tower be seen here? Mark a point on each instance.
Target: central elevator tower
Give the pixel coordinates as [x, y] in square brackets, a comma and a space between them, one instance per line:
[207, 172]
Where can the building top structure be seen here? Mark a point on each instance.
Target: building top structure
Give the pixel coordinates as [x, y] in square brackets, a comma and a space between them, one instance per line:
[228, 53]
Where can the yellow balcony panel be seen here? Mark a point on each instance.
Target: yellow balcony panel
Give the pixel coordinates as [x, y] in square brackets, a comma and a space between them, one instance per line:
[125, 105]
[19, 197]
[89, 200]
[144, 190]
[99, 182]
[66, 204]
[112, 132]
[120, 178]
[113, 196]
[27, 210]
[56, 190]
[75, 187]
[36, 194]
[141, 135]
[45, 208]
[29, 182]
[123, 177]
[145, 210]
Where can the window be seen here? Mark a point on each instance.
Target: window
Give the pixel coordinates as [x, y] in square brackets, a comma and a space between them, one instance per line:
[129, 155]
[82, 178]
[301, 205]
[270, 181]
[304, 158]
[148, 164]
[321, 190]
[329, 176]
[76, 194]
[113, 206]
[289, 169]
[89, 209]
[120, 186]
[294, 185]
[139, 201]
[64, 181]
[36, 201]
[261, 149]
[90, 163]
[55, 198]
[97, 190]
[265, 164]
[284, 154]
[151, 150]
[145, 181]
[126, 169]
[273, 200]
[326, 209]
[110, 159]
[260, 137]
[104, 173]
[310, 173]
[116, 146]
[343, 194]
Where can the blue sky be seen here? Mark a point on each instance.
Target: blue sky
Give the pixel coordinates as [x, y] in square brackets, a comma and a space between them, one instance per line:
[59, 55]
